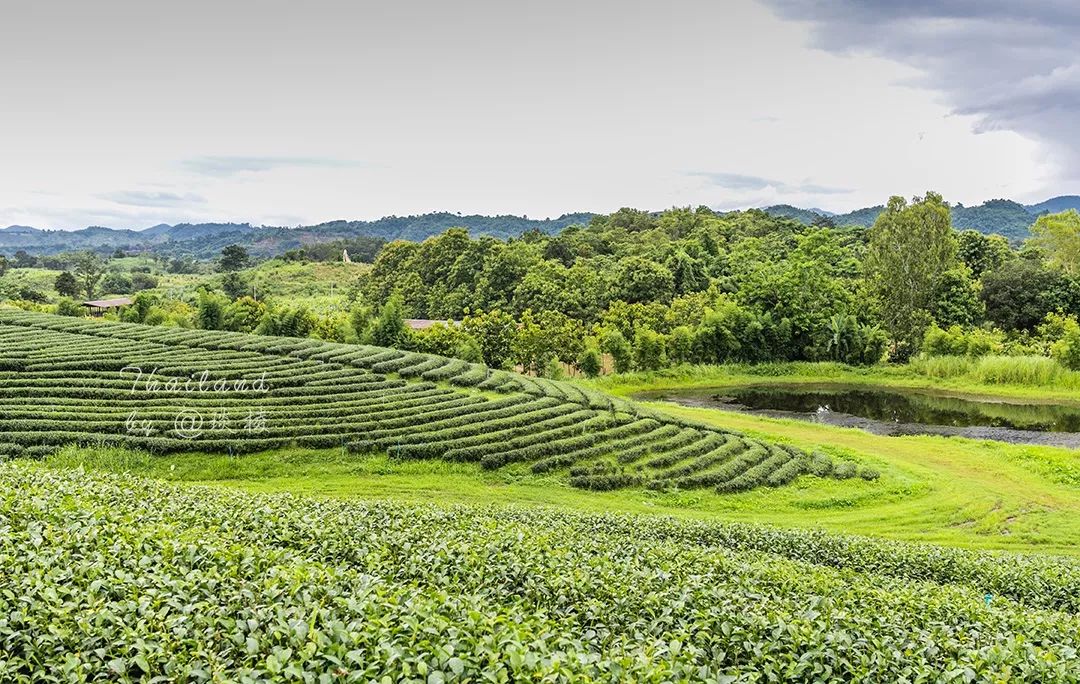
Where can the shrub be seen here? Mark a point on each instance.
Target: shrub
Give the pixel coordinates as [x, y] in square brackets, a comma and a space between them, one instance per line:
[589, 361]
[69, 307]
[622, 354]
[143, 281]
[956, 341]
[1066, 349]
[649, 352]
[116, 283]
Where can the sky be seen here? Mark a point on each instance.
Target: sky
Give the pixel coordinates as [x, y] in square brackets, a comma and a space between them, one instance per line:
[128, 113]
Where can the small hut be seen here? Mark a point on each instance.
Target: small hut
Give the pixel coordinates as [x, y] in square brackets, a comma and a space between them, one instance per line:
[99, 307]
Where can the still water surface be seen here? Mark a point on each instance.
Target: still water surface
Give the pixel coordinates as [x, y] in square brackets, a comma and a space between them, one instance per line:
[896, 411]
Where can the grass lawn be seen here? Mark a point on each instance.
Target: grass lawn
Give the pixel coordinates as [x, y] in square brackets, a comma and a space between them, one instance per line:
[16, 279]
[319, 286]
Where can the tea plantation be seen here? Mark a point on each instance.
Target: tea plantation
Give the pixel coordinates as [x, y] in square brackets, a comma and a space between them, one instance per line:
[109, 577]
[163, 390]
[112, 577]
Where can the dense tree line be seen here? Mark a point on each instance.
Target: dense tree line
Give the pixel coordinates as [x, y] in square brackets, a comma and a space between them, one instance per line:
[642, 290]
[696, 286]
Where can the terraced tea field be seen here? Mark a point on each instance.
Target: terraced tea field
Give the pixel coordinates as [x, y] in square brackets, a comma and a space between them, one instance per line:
[166, 390]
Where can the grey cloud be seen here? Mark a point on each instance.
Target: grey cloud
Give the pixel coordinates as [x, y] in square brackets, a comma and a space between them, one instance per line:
[139, 198]
[738, 181]
[231, 165]
[1012, 65]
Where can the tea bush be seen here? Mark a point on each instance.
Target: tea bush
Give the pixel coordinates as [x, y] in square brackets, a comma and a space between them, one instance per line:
[114, 578]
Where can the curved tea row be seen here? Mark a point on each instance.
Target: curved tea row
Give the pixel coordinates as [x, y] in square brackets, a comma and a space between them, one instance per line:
[65, 381]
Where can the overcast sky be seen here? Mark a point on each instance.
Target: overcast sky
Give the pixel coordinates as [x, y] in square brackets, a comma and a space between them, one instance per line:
[128, 113]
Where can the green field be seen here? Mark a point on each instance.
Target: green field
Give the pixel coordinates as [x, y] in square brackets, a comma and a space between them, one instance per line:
[425, 519]
[319, 286]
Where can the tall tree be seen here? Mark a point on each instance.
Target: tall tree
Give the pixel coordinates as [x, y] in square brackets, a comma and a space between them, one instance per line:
[638, 279]
[1020, 293]
[211, 313]
[533, 348]
[982, 253]
[234, 286]
[1059, 237]
[688, 273]
[24, 260]
[233, 258]
[911, 246]
[67, 285]
[88, 270]
[495, 331]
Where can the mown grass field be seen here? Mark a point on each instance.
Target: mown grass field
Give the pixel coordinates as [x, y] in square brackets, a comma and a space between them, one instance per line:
[963, 492]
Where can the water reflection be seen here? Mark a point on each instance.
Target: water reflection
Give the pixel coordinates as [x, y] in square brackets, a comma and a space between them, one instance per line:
[907, 407]
[898, 411]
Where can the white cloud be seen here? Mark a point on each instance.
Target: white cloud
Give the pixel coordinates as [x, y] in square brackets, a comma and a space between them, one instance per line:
[480, 107]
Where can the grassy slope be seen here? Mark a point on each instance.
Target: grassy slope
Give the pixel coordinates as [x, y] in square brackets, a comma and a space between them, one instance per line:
[958, 491]
[307, 284]
[318, 286]
[40, 279]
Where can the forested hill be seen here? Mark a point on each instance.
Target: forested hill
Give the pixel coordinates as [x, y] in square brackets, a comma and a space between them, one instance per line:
[206, 240]
[999, 216]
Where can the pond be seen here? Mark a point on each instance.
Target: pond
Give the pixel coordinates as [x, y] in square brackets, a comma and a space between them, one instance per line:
[894, 411]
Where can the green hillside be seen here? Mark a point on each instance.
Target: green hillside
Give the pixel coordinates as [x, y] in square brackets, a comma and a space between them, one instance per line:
[205, 240]
[169, 390]
[806, 216]
[1055, 205]
[1000, 217]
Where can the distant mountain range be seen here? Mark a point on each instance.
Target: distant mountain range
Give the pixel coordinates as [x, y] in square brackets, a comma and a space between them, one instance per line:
[1000, 216]
[205, 240]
